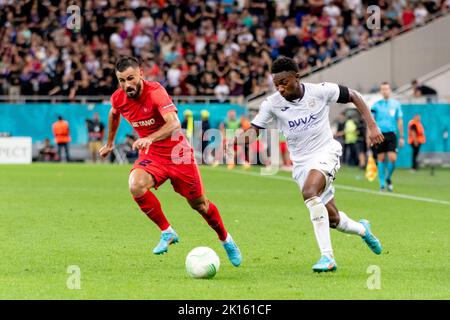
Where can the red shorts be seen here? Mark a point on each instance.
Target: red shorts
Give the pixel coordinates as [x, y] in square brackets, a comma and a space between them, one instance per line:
[185, 178]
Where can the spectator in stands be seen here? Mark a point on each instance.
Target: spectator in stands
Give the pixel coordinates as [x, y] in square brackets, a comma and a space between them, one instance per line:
[222, 91]
[96, 132]
[173, 78]
[61, 133]
[408, 17]
[236, 87]
[421, 90]
[48, 152]
[208, 84]
[343, 48]
[356, 6]
[39, 55]
[65, 88]
[416, 137]
[324, 57]
[353, 33]
[191, 81]
[420, 13]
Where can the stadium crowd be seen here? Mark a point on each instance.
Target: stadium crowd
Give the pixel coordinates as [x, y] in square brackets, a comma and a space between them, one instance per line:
[221, 48]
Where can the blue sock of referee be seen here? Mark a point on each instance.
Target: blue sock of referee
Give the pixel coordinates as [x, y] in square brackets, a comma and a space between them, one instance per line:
[390, 169]
[381, 173]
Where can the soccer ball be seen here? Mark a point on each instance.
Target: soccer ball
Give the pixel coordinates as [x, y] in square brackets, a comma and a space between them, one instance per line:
[202, 263]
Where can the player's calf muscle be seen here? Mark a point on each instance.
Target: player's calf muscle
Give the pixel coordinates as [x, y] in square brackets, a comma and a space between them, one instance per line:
[200, 205]
[333, 214]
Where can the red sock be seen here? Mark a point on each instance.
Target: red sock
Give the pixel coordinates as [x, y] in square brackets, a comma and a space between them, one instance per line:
[215, 221]
[150, 205]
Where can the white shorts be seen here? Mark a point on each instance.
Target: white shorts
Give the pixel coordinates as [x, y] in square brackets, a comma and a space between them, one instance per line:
[327, 162]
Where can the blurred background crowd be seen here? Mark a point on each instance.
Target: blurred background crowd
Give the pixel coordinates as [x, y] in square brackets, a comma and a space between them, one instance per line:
[220, 48]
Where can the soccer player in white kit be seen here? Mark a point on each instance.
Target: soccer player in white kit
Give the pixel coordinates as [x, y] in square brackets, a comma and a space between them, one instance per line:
[300, 111]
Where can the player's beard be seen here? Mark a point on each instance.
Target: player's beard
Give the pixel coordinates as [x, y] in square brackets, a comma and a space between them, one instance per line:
[135, 92]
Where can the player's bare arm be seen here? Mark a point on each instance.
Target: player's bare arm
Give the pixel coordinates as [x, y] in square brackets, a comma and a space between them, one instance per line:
[401, 140]
[113, 125]
[172, 125]
[373, 132]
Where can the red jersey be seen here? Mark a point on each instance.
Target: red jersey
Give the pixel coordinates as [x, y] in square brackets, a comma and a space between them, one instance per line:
[145, 115]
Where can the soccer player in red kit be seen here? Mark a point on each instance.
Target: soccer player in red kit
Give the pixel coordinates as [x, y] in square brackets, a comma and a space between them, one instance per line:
[164, 153]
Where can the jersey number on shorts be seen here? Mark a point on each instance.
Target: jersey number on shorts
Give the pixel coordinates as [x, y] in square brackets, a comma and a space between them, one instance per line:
[145, 162]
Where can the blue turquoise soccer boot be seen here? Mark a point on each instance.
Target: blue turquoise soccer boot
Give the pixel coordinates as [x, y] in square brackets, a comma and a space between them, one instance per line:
[372, 242]
[167, 238]
[233, 252]
[325, 264]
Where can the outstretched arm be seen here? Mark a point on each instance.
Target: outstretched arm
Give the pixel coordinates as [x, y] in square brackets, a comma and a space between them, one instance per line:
[373, 132]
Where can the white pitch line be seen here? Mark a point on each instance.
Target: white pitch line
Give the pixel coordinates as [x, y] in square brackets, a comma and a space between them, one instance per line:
[339, 186]
[394, 195]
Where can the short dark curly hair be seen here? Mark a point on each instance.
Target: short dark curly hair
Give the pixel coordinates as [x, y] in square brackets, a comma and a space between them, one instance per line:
[124, 62]
[283, 63]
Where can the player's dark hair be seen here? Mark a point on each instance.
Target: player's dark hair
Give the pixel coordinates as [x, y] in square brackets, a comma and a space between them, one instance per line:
[384, 83]
[283, 63]
[125, 62]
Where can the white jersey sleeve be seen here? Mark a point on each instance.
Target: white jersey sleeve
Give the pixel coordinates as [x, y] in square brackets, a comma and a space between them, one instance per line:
[330, 91]
[264, 116]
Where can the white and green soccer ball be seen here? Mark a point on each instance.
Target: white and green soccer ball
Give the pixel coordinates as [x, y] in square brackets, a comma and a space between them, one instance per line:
[202, 263]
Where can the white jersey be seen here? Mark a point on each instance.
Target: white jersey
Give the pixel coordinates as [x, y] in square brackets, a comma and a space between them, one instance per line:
[304, 122]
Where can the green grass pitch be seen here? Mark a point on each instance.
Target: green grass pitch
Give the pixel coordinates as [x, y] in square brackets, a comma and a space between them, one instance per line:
[55, 216]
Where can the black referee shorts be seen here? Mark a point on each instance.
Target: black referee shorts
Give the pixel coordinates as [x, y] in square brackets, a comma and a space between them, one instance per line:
[388, 145]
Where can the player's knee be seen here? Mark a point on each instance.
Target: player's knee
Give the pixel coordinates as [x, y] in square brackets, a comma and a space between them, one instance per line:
[309, 192]
[138, 187]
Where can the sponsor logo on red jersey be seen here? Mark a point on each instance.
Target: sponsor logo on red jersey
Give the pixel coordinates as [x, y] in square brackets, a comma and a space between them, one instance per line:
[143, 123]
